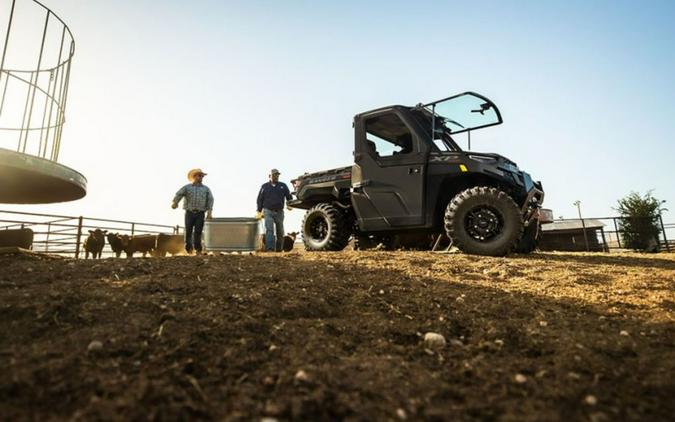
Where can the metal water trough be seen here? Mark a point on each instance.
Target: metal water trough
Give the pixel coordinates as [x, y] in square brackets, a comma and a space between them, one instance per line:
[231, 234]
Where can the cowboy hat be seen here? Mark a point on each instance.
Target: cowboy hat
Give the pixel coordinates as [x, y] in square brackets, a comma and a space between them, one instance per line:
[192, 173]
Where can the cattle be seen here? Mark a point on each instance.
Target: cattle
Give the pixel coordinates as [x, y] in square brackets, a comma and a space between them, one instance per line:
[289, 241]
[94, 243]
[115, 242]
[21, 238]
[169, 243]
[144, 243]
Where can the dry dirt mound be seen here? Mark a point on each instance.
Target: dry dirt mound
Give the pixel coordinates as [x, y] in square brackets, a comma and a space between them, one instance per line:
[338, 336]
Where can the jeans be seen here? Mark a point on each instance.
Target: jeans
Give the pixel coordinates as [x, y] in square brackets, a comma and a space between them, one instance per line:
[194, 224]
[274, 219]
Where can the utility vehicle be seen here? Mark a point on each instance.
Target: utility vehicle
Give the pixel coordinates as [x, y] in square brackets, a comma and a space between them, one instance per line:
[412, 186]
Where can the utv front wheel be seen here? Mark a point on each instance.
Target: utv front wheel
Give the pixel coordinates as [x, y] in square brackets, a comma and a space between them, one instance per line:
[325, 228]
[483, 221]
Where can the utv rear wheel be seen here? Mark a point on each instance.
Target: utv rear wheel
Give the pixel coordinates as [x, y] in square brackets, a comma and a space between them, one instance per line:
[530, 240]
[483, 221]
[325, 228]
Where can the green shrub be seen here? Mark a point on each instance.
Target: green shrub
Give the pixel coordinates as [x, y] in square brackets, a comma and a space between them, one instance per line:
[639, 222]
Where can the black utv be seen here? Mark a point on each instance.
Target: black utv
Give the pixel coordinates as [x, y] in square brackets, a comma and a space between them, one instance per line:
[412, 186]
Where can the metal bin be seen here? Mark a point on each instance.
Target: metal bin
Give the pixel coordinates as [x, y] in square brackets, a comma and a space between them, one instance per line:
[231, 234]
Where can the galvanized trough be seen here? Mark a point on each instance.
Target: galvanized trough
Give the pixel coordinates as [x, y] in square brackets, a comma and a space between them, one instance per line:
[231, 234]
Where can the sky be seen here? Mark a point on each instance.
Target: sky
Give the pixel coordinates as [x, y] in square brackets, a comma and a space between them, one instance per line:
[238, 88]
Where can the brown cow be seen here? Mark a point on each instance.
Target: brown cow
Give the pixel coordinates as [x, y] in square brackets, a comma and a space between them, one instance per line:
[144, 243]
[115, 242]
[94, 243]
[169, 243]
[21, 238]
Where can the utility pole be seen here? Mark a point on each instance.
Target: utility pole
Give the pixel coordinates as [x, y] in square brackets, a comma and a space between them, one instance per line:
[583, 225]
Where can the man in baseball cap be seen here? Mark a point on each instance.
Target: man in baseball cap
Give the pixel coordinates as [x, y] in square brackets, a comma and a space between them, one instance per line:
[271, 199]
[198, 201]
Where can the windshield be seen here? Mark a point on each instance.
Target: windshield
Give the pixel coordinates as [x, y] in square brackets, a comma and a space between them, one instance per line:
[442, 141]
[464, 112]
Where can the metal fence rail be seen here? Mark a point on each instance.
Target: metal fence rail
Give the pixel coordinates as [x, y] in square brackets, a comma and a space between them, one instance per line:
[65, 235]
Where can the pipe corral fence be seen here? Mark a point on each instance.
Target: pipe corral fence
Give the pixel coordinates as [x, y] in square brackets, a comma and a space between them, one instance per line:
[65, 235]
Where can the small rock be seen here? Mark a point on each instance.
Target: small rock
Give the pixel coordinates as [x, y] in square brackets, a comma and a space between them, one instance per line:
[269, 419]
[459, 300]
[624, 333]
[520, 378]
[434, 341]
[301, 376]
[273, 348]
[574, 375]
[95, 346]
[456, 343]
[543, 323]
[381, 292]
[401, 414]
[29, 269]
[590, 400]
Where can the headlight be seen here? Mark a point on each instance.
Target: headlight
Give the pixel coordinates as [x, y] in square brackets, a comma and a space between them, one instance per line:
[482, 159]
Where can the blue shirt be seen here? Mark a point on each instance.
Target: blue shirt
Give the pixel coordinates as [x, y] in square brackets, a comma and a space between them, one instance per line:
[197, 197]
[272, 196]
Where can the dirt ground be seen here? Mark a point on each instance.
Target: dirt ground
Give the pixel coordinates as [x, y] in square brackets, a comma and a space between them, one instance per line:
[338, 336]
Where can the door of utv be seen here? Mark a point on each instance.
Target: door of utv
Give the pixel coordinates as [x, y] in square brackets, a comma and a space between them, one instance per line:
[388, 189]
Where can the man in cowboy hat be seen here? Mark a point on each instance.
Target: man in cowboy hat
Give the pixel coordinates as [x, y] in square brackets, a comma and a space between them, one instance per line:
[198, 201]
[271, 207]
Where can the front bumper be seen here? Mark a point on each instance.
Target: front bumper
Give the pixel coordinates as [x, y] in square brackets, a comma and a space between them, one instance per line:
[533, 200]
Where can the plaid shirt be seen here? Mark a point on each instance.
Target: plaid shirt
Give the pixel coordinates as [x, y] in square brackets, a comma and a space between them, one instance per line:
[197, 197]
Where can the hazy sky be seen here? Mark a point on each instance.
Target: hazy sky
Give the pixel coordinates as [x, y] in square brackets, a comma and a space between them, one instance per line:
[237, 88]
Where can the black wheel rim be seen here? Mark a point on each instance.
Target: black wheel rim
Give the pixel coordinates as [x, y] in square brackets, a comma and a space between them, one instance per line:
[484, 223]
[317, 229]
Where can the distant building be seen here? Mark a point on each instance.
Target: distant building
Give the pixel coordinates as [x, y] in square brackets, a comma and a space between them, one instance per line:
[568, 235]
